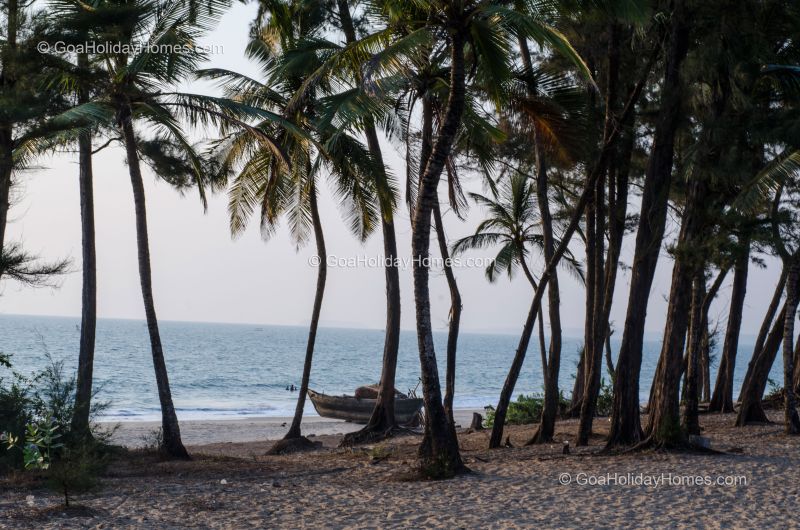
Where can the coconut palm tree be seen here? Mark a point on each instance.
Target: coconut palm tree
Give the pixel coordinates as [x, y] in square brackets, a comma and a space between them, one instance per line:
[287, 49]
[156, 41]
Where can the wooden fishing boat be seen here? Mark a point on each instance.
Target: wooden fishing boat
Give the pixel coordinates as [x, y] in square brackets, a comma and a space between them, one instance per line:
[350, 408]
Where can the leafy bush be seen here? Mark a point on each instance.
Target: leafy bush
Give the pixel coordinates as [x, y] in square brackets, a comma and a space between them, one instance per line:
[525, 410]
[35, 417]
[605, 399]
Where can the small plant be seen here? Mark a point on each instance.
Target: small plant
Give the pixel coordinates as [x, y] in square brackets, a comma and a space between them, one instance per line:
[605, 399]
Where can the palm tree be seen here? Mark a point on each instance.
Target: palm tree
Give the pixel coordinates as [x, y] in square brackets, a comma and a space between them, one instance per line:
[287, 51]
[382, 423]
[158, 41]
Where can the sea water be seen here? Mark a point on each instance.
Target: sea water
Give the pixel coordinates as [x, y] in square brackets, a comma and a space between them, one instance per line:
[220, 371]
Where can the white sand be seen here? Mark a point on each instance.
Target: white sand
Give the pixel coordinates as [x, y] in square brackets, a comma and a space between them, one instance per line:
[200, 432]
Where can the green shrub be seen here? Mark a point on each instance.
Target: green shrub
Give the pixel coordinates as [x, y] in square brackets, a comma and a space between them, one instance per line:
[526, 409]
[35, 417]
[605, 399]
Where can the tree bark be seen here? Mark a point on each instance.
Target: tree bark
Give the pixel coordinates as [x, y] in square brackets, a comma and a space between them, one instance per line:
[8, 80]
[625, 423]
[519, 356]
[690, 397]
[790, 416]
[751, 409]
[439, 450]
[171, 444]
[454, 320]
[551, 362]
[382, 422]
[722, 398]
[322, 274]
[83, 385]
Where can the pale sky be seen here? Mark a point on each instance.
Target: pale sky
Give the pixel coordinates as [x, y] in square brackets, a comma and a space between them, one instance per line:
[200, 274]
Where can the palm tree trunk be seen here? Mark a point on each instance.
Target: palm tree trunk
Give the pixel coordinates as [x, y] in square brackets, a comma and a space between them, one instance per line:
[382, 422]
[609, 145]
[83, 385]
[722, 398]
[171, 444]
[551, 362]
[790, 416]
[625, 422]
[439, 449]
[322, 273]
[455, 317]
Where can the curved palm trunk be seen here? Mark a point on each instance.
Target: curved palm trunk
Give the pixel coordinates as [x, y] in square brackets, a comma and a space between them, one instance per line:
[722, 398]
[322, 273]
[83, 385]
[382, 422]
[790, 416]
[455, 317]
[625, 422]
[171, 444]
[439, 450]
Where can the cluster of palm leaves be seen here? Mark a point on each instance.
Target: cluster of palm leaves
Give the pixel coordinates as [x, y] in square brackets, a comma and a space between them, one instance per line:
[556, 107]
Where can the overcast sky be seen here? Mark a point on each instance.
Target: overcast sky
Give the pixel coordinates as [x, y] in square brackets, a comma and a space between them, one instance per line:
[200, 274]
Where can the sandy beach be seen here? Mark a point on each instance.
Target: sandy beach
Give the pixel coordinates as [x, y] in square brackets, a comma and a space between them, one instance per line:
[751, 483]
[136, 434]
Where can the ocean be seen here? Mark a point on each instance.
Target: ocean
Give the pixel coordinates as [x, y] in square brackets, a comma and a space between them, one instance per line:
[220, 371]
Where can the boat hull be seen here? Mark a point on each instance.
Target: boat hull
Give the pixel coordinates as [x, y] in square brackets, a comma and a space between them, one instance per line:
[356, 410]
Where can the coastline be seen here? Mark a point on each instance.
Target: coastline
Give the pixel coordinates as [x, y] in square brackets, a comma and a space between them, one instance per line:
[136, 434]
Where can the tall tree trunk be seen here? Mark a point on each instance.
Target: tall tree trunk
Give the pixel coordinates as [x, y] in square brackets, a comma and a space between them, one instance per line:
[601, 271]
[664, 428]
[322, 274]
[722, 398]
[625, 422]
[6, 171]
[382, 422]
[454, 317]
[171, 443]
[83, 385]
[439, 449]
[519, 356]
[790, 416]
[8, 79]
[751, 409]
[797, 367]
[705, 364]
[551, 362]
[690, 392]
[550, 408]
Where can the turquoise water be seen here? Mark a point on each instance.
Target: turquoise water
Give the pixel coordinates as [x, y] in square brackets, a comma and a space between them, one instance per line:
[239, 370]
